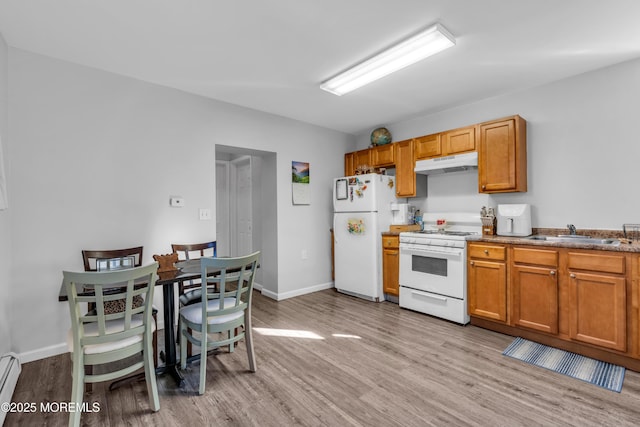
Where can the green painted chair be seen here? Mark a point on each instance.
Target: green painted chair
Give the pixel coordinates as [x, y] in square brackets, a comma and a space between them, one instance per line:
[98, 338]
[224, 317]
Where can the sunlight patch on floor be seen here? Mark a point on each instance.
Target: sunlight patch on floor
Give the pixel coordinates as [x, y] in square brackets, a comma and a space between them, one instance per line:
[346, 336]
[288, 333]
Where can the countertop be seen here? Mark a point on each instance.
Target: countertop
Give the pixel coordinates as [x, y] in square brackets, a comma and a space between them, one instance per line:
[601, 234]
[622, 247]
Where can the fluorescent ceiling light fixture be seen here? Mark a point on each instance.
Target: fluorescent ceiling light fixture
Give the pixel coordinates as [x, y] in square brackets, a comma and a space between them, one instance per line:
[416, 48]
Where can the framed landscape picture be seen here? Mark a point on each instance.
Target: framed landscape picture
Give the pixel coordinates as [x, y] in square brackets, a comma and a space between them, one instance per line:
[300, 183]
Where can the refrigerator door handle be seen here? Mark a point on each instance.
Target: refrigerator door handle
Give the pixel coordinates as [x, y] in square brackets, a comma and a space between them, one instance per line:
[334, 230]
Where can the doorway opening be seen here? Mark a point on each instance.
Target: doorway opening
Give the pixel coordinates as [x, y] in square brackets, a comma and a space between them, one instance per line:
[246, 208]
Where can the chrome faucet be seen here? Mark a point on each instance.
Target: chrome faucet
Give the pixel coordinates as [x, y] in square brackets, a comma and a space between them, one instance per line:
[572, 229]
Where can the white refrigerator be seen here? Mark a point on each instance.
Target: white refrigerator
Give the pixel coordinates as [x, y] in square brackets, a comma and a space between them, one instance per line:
[362, 211]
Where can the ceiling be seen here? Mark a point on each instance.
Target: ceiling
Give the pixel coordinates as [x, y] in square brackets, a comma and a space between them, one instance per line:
[271, 55]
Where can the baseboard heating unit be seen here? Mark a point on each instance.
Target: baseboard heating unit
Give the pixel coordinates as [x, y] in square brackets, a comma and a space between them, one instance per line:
[9, 372]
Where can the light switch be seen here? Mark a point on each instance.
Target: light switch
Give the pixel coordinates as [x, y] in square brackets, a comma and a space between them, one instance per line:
[176, 202]
[205, 214]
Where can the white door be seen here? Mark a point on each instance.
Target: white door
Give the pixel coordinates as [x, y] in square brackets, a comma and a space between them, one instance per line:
[223, 224]
[243, 223]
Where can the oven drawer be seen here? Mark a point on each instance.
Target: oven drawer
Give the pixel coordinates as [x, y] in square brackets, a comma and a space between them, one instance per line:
[433, 304]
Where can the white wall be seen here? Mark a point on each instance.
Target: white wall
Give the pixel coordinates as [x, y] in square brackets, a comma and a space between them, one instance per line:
[94, 158]
[582, 149]
[5, 238]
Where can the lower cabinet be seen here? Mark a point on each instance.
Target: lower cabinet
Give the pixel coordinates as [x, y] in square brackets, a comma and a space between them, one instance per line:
[487, 282]
[534, 289]
[598, 300]
[391, 264]
[581, 300]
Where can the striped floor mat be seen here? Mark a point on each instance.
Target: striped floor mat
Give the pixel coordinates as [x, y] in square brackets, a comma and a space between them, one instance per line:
[593, 371]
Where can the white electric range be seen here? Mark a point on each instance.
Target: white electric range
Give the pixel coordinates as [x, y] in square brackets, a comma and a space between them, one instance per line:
[433, 266]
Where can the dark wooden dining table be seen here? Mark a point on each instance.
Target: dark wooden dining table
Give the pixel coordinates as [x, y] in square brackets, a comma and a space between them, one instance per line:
[185, 271]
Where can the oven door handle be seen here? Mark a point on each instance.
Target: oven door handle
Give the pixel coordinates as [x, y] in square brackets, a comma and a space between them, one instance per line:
[431, 250]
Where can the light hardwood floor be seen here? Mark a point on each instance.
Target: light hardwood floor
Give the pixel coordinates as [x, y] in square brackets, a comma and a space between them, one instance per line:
[343, 361]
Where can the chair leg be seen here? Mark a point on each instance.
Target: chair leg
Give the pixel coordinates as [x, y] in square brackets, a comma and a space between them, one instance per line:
[203, 359]
[183, 346]
[150, 376]
[155, 341]
[189, 344]
[88, 370]
[77, 389]
[248, 338]
[232, 333]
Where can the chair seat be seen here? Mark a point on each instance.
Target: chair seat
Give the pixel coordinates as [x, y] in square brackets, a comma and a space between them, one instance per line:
[191, 296]
[193, 313]
[112, 326]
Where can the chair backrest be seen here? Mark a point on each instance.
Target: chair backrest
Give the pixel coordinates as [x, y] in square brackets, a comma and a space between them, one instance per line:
[114, 259]
[98, 288]
[234, 280]
[197, 250]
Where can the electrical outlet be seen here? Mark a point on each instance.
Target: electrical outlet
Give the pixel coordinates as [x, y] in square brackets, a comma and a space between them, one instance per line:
[304, 254]
[205, 214]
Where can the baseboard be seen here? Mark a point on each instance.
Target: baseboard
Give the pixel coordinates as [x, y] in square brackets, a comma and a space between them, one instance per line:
[285, 295]
[43, 353]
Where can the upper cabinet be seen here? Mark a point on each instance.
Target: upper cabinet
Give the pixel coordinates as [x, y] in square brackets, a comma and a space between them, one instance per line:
[349, 167]
[383, 156]
[427, 146]
[502, 156]
[405, 163]
[459, 141]
[362, 158]
[455, 141]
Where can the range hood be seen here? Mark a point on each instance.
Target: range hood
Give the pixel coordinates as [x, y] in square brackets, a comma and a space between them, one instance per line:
[459, 162]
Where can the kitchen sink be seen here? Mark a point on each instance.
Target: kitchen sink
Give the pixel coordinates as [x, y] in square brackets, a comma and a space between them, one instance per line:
[574, 238]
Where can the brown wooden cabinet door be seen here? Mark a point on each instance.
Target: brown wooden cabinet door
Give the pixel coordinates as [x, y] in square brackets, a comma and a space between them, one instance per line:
[391, 271]
[349, 168]
[405, 164]
[487, 289]
[427, 146]
[502, 160]
[459, 141]
[535, 298]
[597, 310]
[383, 155]
[362, 158]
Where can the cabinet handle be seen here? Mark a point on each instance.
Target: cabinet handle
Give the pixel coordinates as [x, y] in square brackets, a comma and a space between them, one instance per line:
[552, 272]
[486, 251]
[484, 187]
[472, 263]
[573, 276]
